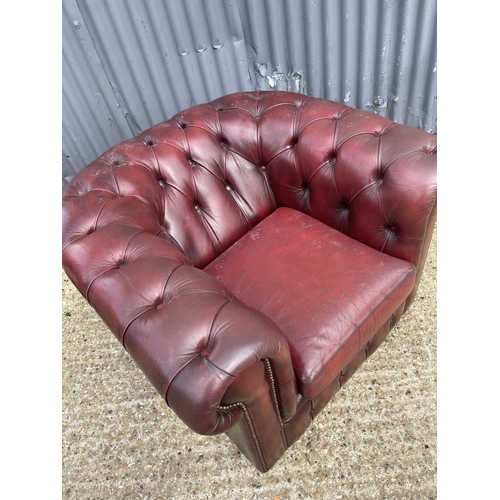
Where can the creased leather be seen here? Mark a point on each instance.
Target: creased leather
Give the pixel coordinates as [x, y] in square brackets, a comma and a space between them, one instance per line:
[327, 292]
[141, 222]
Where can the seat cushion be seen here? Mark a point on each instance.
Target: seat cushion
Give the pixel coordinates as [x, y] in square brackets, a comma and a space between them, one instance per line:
[328, 293]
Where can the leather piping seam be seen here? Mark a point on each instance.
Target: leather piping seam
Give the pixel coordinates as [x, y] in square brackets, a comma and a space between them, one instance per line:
[429, 218]
[251, 428]
[275, 400]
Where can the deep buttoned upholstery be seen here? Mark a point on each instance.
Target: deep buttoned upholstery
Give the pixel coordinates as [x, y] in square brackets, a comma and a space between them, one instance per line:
[147, 226]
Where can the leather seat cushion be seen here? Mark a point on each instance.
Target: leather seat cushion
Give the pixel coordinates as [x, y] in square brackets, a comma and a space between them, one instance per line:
[328, 293]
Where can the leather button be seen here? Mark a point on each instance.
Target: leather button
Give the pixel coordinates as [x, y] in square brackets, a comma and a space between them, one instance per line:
[263, 169]
[380, 181]
[205, 352]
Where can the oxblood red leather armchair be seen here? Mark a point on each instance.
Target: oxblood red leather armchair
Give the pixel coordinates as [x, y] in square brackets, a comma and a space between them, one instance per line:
[250, 253]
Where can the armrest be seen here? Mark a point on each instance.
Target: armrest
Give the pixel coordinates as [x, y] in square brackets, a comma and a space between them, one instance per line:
[183, 328]
[373, 179]
[389, 179]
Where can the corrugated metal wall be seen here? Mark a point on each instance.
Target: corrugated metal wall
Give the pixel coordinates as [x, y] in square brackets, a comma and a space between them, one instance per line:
[128, 64]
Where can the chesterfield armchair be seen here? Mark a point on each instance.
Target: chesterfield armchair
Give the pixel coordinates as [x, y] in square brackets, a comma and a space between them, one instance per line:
[251, 253]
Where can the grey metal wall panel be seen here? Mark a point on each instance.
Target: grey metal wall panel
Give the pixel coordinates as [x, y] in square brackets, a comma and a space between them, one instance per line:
[92, 121]
[164, 56]
[378, 55]
[134, 63]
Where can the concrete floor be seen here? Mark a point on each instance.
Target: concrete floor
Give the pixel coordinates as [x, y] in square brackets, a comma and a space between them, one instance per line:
[375, 439]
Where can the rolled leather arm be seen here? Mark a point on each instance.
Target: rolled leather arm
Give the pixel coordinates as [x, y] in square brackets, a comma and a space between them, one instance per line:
[237, 338]
[373, 179]
[183, 328]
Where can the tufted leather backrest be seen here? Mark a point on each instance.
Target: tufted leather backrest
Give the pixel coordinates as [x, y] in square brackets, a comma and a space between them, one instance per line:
[206, 176]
